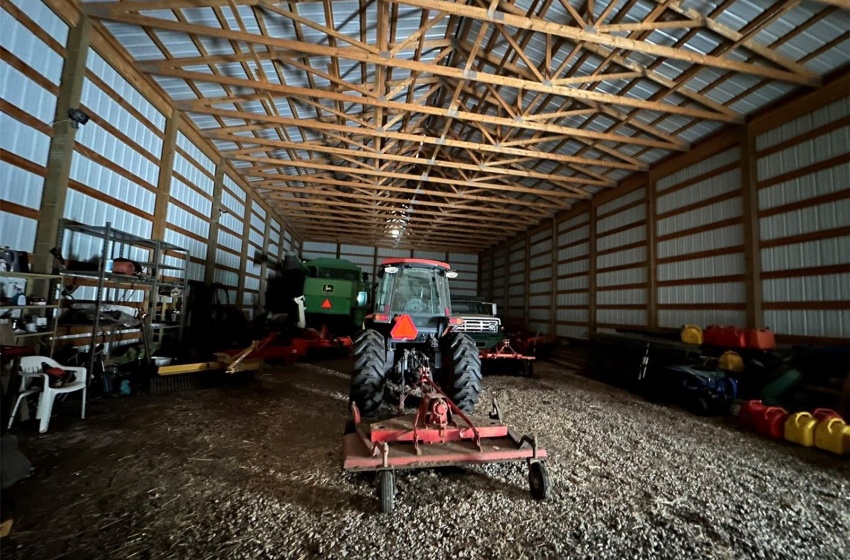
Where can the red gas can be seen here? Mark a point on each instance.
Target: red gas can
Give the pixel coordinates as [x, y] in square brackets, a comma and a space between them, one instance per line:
[760, 339]
[822, 414]
[771, 422]
[749, 413]
[725, 336]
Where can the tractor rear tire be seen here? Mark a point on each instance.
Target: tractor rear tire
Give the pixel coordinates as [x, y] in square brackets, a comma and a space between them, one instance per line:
[369, 374]
[462, 374]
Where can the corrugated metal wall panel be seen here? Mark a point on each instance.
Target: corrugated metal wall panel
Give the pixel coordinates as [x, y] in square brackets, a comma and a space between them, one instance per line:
[196, 248]
[385, 253]
[705, 166]
[431, 255]
[619, 202]
[675, 318]
[831, 215]
[729, 236]
[797, 189]
[685, 273]
[809, 152]
[726, 182]
[621, 316]
[632, 235]
[615, 296]
[575, 235]
[801, 233]
[796, 256]
[572, 222]
[723, 210]
[809, 322]
[197, 158]
[17, 185]
[463, 258]
[17, 232]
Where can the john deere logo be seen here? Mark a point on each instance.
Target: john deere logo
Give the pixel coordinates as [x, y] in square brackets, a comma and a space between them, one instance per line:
[328, 289]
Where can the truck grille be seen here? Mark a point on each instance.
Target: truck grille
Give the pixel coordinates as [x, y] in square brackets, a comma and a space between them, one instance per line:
[479, 325]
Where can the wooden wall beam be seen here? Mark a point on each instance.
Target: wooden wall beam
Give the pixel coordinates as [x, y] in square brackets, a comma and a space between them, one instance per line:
[246, 244]
[527, 279]
[651, 251]
[264, 267]
[61, 152]
[166, 171]
[215, 216]
[553, 275]
[752, 237]
[591, 274]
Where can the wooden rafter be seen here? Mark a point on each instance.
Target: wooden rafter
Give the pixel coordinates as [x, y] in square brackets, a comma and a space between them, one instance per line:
[466, 122]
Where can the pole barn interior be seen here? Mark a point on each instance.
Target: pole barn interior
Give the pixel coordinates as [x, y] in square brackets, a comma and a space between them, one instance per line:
[613, 175]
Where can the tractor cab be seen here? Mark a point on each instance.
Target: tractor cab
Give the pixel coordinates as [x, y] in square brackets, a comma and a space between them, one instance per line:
[416, 288]
[411, 331]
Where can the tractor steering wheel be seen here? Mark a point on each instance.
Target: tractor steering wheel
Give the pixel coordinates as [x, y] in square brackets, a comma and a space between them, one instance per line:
[415, 306]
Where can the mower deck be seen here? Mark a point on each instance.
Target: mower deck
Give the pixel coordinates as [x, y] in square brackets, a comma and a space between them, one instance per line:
[498, 445]
[439, 434]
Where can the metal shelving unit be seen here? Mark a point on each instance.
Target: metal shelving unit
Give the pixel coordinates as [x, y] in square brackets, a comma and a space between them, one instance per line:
[118, 244]
[28, 277]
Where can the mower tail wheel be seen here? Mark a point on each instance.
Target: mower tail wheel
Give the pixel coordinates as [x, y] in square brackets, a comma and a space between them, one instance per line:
[368, 376]
[386, 490]
[462, 377]
[538, 480]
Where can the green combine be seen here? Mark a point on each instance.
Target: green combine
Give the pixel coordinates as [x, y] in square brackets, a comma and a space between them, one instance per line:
[332, 293]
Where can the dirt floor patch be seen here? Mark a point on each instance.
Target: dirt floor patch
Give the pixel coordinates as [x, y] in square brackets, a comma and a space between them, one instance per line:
[253, 470]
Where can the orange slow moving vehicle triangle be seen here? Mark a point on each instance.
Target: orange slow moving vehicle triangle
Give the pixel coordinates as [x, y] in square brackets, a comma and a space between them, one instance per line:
[404, 329]
[327, 304]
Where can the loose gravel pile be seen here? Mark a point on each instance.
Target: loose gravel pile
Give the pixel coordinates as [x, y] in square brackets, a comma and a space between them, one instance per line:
[254, 471]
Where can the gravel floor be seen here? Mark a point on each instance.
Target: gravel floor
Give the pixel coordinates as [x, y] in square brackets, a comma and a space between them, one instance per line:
[253, 471]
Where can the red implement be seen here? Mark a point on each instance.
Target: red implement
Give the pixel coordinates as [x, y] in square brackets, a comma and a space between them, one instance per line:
[438, 434]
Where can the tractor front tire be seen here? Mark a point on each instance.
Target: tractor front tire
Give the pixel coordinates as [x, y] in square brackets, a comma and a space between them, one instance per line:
[369, 374]
[462, 372]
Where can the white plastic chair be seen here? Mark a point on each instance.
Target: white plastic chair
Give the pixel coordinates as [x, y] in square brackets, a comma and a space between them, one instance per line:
[34, 380]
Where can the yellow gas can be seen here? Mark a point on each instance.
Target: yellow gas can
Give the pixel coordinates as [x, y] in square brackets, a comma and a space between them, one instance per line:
[731, 361]
[800, 428]
[691, 334]
[833, 434]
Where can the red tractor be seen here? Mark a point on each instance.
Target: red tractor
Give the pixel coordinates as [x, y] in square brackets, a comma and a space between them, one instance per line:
[411, 328]
[409, 343]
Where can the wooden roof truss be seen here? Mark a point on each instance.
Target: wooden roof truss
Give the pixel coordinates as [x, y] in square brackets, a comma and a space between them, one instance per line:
[433, 123]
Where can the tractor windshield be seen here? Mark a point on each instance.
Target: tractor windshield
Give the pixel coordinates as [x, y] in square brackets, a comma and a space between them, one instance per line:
[414, 289]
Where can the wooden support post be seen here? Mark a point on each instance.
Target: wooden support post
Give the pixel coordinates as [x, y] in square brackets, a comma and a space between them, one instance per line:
[215, 216]
[507, 269]
[591, 274]
[651, 250]
[492, 269]
[372, 280]
[61, 146]
[166, 169]
[752, 236]
[553, 275]
[246, 244]
[527, 298]
[264, 268]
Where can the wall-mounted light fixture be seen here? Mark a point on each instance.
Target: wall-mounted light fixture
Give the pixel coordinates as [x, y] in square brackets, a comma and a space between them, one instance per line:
[77, 117]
